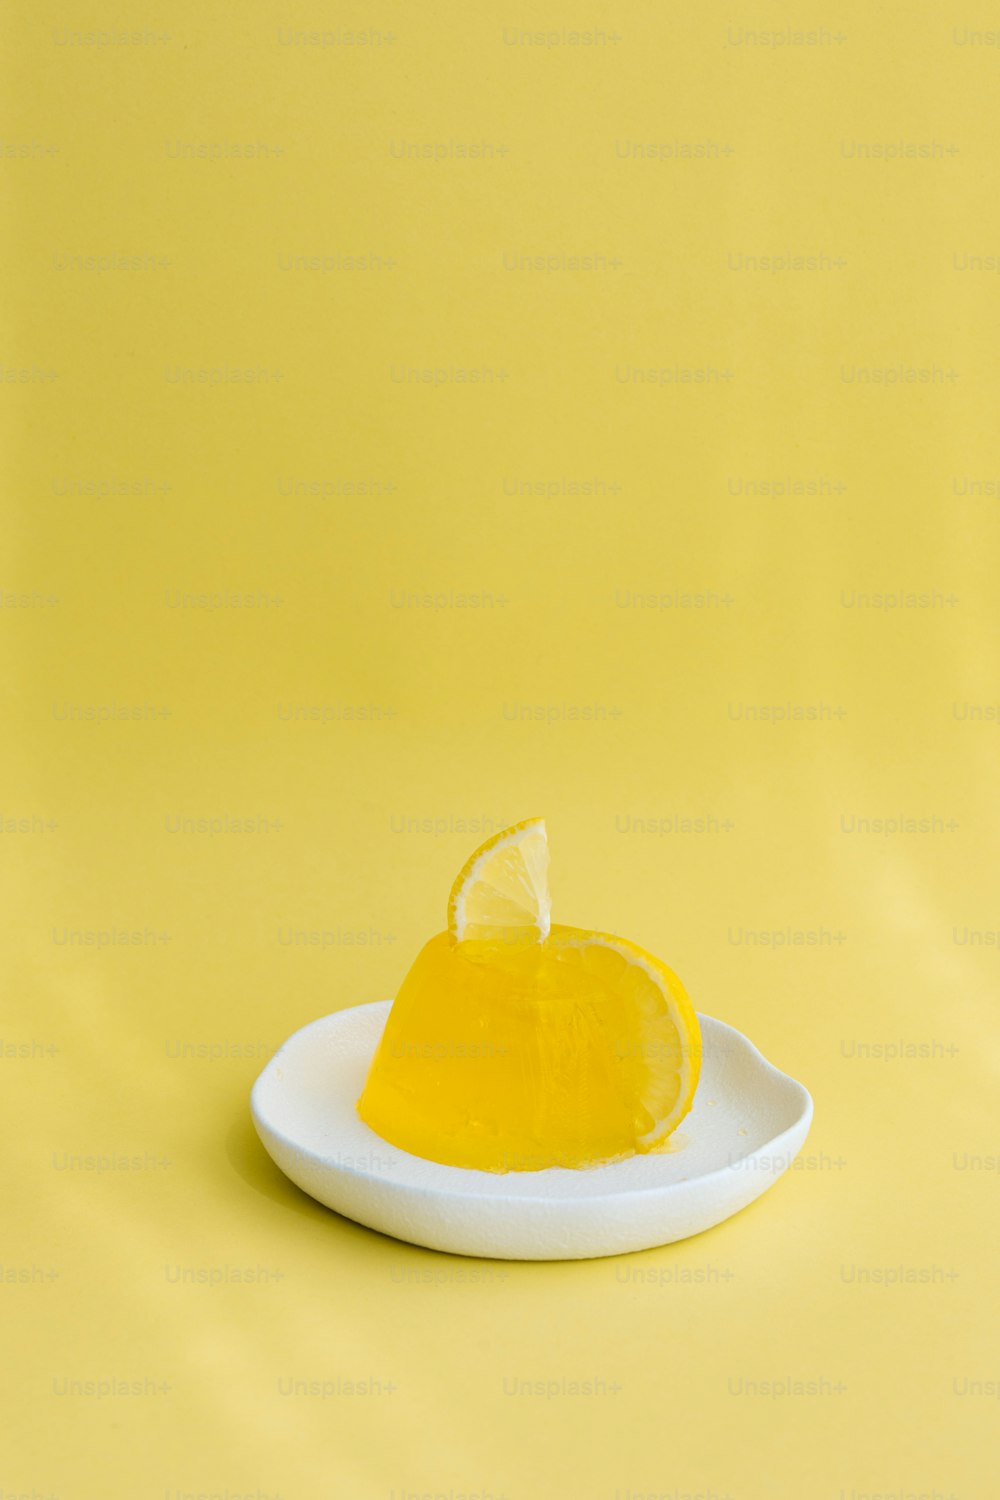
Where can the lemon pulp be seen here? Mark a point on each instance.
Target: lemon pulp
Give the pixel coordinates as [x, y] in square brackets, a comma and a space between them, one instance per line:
[515, 1054]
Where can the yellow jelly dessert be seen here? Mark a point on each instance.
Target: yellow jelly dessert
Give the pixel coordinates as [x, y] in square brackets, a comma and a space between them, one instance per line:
[514, 1044]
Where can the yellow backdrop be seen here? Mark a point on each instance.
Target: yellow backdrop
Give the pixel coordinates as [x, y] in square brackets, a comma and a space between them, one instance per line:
[417, 419]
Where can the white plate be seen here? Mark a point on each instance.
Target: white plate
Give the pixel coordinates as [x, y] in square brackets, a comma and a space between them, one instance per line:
[746, 1126]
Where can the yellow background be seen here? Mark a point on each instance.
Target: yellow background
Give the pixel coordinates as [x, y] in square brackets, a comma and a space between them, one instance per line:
[646, 596]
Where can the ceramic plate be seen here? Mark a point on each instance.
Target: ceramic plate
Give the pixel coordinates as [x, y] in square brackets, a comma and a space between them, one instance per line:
[746, 1126]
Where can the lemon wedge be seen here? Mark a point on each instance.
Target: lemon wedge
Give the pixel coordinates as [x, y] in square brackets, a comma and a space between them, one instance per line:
[504, 888]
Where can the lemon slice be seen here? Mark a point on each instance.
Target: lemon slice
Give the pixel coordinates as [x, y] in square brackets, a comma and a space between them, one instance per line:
[504, 887]
[658, 1049]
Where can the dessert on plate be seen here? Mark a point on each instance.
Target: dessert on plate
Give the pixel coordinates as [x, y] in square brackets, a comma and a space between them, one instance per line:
[516, 1044]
